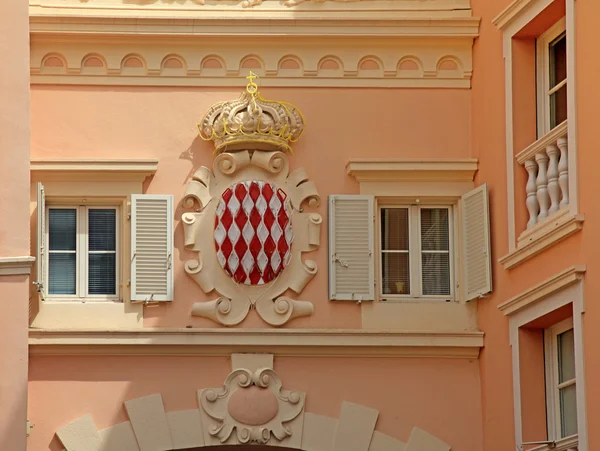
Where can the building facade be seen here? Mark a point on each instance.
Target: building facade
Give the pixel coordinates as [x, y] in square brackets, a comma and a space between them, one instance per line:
[318, 225]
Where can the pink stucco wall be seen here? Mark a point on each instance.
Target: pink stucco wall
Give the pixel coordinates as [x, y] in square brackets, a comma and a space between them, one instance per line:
[14, 220]
[88, 123]
[438, 395]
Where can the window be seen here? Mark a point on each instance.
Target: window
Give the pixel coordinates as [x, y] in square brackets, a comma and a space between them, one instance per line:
[552, 78]
[409, 251]
[82, 252]
[561, 397]
[416, 252]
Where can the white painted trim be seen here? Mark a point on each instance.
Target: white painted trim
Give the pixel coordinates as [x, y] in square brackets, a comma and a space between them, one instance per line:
[10, 266]
[552, 371]
[81, 165]
[518, 14]
[415, 253]
[81, 252]
[543, 75]
[415, 170]
[292, 342]
[510, 162]
[573, 161]
[572, 294]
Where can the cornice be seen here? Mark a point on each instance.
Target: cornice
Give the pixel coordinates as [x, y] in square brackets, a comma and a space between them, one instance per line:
[380, 24]
[286, 342]
[543, 289]
[508, 14]
[300, 10]
[382, 170]
[10, 266]
[104, 169]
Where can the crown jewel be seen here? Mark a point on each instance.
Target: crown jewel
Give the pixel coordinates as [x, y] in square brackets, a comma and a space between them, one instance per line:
[252, 123]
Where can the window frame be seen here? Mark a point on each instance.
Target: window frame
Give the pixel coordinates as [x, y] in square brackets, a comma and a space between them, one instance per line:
[415, 253]
[553, 414]
[82, 252]
[543, 88]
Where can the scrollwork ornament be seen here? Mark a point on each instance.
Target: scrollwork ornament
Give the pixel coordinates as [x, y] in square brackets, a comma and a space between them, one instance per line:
[254, 405]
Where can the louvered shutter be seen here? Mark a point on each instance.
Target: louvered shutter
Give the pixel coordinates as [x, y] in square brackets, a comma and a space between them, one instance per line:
[476, 242]
[41, 241]
[351, 246]
[151, 247]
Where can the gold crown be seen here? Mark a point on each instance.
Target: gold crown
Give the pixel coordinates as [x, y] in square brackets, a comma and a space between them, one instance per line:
[252, 123]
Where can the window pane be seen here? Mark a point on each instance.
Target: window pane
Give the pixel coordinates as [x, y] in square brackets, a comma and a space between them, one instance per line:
[558, 60]
[558, 72]
[101, 274]
[558, 107]
[62, 273]
[434, 229]
[394, 229]
[568, 411]
[102, 229]
[436, 273]
[395, 273]
[566, 356]
[62, 229]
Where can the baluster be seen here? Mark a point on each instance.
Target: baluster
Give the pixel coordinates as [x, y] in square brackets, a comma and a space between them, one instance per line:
[553, 188]
[563, 171]
[542, 185]
[531, 201]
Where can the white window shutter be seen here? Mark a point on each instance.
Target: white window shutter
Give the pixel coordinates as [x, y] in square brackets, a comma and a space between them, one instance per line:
[151, 247]
[41, 241]
[476, 242]
[351, 248]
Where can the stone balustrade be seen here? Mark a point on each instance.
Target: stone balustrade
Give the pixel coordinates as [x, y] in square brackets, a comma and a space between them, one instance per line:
[546, 163]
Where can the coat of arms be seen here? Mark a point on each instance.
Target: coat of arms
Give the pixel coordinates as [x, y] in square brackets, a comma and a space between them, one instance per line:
[250, 228]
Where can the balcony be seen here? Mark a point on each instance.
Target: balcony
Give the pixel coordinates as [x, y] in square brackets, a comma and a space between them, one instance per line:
[546, 163]
[547, 196]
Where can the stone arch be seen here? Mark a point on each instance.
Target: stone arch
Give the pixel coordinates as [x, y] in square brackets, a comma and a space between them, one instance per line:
[215, 424]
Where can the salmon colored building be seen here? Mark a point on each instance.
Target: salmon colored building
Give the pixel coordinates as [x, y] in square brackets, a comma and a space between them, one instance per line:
[314, 225]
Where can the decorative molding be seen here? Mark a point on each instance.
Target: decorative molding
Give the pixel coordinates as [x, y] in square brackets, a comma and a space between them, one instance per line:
[541, 237]
[146, 8]
[248, 226]
[281, 342]
[11, 266]
[254, 404]
[543, 289]
[386, 170]
[73, 169]
[508, 14]
[172, 60]
[257, 407]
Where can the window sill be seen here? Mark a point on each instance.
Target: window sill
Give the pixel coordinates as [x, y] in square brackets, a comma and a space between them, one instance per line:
[87, 315]
[391, 299]
[564, 444]
[541, 237]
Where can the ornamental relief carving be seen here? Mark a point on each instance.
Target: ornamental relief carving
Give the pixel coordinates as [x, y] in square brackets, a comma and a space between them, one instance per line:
[251, 407]
[249, 226]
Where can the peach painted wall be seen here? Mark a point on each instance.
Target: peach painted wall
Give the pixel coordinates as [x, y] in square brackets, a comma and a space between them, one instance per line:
[438, 395]
[160, 123]
[14, 220]
[488, 143]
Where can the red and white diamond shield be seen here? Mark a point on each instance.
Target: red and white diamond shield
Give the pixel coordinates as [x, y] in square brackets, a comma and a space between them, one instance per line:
[253, 232]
